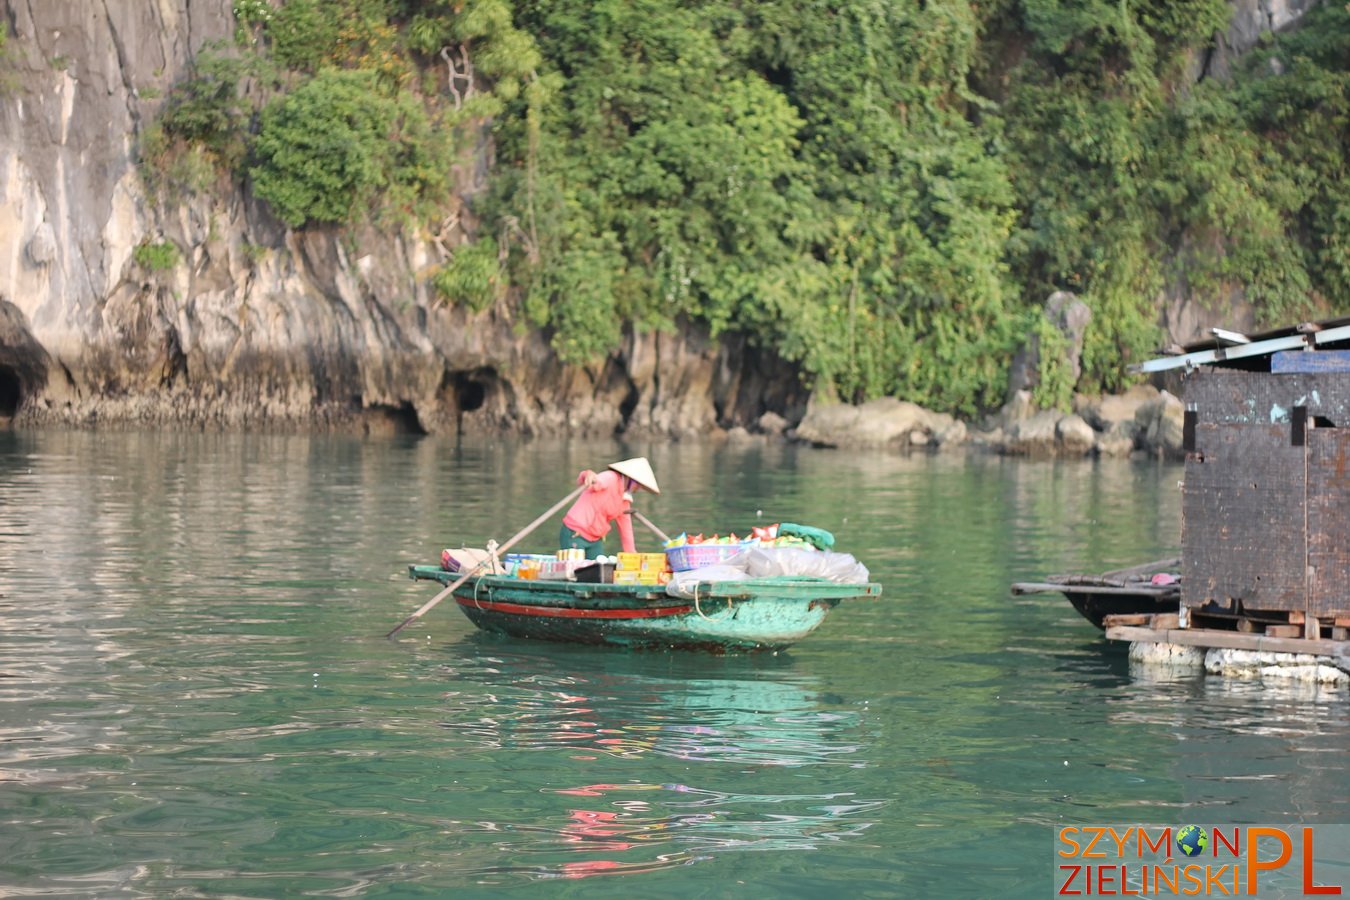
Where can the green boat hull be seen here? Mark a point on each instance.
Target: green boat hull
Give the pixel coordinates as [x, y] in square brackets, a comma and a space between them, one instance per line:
[755, 614]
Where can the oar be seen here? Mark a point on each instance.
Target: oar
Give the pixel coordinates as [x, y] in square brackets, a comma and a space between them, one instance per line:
[648, 522]
[503, 548]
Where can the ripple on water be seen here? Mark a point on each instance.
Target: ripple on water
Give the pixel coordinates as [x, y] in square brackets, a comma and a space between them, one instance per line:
[196, 698]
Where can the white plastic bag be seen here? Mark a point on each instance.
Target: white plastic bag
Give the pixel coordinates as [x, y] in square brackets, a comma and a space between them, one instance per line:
[682, 584]
[770, 562]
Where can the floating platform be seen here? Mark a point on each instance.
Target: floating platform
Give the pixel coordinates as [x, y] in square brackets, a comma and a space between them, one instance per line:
[1265, 508]
[1130, 605]
[1164, 629]
[1158, 641]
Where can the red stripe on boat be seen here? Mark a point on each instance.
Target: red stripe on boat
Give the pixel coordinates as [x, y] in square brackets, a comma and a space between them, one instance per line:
[562, 612]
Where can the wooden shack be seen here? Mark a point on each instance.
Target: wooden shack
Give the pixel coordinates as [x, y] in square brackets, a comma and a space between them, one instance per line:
[1265, 545]
[1266, 496]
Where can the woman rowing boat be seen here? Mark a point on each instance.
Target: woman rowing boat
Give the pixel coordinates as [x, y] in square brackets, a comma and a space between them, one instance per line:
[606, 501]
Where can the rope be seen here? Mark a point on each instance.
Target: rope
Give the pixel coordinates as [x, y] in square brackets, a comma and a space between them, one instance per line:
[697, 608]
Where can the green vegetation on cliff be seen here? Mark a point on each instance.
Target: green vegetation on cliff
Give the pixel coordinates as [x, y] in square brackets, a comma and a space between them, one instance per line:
[885, 194]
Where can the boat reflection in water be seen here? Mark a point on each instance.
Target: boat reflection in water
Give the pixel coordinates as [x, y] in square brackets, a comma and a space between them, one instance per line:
[747, 726]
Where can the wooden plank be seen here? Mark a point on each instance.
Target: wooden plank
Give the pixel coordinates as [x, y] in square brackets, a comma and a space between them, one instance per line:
[1034, 587]
[1038, 587]
[1171, 564]
[1285, 631]
[1165, 621]
[1340, 633]
[1203, 637]
[1128, 619]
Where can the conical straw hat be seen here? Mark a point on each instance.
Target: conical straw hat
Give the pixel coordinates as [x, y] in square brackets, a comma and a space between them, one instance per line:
[639, 470]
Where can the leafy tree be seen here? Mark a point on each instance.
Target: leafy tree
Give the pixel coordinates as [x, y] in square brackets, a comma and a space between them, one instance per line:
[473, 276]
[207, 108]
[803, 175]
[664, 171]
[1131, 179]
[1295, 96]
[328, 149]
[884, 193]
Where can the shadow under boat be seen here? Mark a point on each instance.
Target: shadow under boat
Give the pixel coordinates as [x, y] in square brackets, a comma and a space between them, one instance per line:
[1153, 587]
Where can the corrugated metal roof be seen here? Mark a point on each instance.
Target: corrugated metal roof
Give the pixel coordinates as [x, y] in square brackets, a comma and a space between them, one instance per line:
[1225, 346]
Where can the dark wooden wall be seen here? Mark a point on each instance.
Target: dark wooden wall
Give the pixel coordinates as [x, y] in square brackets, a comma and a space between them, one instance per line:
[1266, 502]
[1262, 398]
[1329, 521]
[1242, 518]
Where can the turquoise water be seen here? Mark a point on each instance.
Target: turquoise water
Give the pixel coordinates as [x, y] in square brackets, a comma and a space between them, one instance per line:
[197, 700]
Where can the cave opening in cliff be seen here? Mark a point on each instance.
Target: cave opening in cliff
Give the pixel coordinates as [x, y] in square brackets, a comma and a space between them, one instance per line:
[11, 392]
[466, 391]
[385, 418]
[470, 393]
[405, 420]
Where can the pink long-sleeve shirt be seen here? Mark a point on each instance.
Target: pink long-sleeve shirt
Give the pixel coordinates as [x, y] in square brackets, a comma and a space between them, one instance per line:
[597, 507]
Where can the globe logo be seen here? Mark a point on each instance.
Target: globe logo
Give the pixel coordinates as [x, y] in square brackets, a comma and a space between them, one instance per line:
[1192, 840]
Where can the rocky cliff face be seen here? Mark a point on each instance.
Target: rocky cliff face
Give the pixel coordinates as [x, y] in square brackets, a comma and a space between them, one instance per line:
[260, 326]
[257, 325]
[1252, 19]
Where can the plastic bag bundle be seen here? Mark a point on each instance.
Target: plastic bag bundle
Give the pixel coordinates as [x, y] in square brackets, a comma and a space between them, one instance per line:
[682, 584]
[841, 568]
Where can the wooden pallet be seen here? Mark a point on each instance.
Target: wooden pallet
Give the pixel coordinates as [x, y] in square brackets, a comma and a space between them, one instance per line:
[1157, 621]
[1273, 623]
[1210, 638]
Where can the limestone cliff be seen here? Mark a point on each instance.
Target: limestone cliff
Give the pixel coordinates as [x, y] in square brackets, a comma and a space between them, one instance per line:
[257, 325]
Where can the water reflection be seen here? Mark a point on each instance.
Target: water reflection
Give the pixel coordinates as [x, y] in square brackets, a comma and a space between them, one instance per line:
[673, 824]
[742, 722]
[196, 698]
[762, 721]
[1255, 751]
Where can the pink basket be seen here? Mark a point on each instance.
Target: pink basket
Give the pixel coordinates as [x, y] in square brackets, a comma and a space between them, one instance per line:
[696, 556]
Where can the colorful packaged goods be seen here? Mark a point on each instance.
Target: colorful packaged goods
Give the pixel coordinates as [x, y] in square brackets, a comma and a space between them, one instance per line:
[696, 551]
[525, 565]
[564, 566]
[641, 568]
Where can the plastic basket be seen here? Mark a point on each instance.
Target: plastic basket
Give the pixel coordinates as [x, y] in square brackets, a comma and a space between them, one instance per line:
[696, 556]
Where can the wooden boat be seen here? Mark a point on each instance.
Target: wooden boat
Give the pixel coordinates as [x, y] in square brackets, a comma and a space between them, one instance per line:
[1121, 592]
[753, 614]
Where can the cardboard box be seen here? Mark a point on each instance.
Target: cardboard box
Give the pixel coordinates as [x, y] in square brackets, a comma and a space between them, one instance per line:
[642, 562]
[632, 576]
